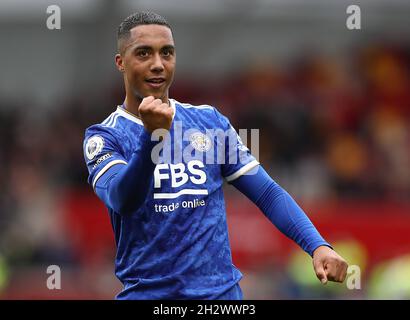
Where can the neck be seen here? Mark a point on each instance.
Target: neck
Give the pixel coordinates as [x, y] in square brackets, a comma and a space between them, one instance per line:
[131, 104]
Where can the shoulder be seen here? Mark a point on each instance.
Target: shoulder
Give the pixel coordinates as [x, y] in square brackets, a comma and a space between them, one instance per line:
[110, 133]
[107, 130]
[205, 110]
[184, 105]
[115, 125]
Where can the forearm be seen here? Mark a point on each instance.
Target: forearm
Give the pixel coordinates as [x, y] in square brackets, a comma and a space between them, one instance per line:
[124, 187]
[280, 208]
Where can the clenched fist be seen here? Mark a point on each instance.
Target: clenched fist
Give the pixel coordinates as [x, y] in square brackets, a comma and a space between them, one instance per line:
[155, 114]
[329, 265]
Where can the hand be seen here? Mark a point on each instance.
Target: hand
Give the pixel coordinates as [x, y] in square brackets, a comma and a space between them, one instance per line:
[328, 265]
[155, 114]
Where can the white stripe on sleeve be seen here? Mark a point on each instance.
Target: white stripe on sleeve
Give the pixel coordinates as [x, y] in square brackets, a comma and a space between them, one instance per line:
[106, 167]
[242, 170]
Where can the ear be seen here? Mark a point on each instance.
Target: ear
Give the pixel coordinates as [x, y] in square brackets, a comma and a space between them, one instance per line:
[119, 62]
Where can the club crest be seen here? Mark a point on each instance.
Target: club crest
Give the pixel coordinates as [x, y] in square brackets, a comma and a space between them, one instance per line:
[200, 141]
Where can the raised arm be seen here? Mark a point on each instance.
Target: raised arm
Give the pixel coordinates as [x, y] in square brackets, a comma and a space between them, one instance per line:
[124, 186]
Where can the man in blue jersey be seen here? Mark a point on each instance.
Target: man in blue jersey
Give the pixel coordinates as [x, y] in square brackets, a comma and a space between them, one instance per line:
[159, 166]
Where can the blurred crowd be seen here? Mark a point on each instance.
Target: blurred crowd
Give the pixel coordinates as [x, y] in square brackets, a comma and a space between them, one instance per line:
[331, 127]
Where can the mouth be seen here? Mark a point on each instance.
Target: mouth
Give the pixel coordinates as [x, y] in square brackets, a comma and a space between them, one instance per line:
[155, 82]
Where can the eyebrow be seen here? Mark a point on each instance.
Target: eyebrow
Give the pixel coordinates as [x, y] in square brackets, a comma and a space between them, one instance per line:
[145, 47]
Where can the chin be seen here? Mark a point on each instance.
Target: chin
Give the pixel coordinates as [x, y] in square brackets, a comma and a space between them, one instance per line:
[157, 95]
[140, 94]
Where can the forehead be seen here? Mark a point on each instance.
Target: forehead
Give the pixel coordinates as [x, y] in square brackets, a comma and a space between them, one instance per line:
[150, 35]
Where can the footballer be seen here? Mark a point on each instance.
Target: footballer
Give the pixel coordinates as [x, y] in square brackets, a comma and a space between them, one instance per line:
[163, 190]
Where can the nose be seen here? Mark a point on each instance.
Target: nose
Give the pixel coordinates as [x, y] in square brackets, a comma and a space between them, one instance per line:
[157, 65]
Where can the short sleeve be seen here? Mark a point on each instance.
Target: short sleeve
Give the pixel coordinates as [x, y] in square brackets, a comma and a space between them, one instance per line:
[101, 152]
[238, 158]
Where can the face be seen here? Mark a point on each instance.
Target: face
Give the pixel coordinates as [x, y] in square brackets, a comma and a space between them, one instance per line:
[148, 61]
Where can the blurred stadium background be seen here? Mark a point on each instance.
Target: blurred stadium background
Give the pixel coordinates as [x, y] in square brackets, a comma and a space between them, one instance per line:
[332, 106]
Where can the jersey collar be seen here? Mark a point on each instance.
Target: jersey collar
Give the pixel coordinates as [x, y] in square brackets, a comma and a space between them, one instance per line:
[130, 116]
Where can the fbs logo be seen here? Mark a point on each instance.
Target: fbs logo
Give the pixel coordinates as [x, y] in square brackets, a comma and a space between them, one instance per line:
[178, 175]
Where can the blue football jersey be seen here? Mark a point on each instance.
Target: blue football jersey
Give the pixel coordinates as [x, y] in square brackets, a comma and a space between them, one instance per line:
[175, 245]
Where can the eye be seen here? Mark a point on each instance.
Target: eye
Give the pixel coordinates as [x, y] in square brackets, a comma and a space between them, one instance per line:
[167, 52]
[142, 53]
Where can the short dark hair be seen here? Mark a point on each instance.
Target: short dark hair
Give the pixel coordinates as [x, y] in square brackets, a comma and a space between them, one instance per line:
[137, 19]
